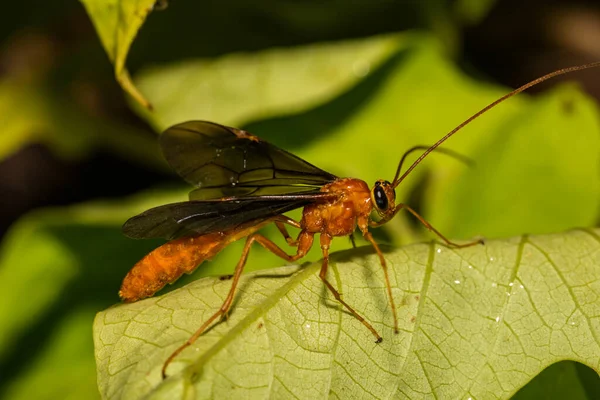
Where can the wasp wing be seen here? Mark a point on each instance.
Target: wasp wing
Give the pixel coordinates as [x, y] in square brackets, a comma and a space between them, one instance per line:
[202, 217]
[228, 162]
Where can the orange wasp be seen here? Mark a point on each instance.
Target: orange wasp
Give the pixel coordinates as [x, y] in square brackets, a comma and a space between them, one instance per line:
[243, 184]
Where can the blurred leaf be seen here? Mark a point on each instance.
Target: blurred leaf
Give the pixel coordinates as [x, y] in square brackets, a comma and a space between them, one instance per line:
[47, 118]
[472, 12]
[238, 88]
[64, 369]
[58, 268]
[477, 322]
[223, 28]
[558, 381]
[35, 122]
[536, 172]
[49, 244]
[117, 23]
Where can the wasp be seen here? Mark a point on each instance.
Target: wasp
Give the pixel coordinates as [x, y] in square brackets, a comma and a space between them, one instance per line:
[243, 184]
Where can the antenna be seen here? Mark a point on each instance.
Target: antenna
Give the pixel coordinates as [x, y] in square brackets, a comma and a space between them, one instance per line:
[562, 71]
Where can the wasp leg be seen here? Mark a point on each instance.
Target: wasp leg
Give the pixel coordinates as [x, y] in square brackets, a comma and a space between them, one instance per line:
[383, 263]
[432, 229]
[325, 241]
[305, 241]
[422, 220]
[351, 236]
[280, 223]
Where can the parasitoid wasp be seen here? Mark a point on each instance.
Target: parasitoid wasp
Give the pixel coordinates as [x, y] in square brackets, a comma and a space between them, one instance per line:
[243, 184]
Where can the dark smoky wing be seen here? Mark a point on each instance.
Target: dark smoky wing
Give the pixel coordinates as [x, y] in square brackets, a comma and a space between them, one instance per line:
[223, 161]
[252, 191]
[201, 217]
[158, 222]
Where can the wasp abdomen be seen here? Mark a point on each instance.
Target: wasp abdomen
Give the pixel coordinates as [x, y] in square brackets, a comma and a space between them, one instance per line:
[167, 263]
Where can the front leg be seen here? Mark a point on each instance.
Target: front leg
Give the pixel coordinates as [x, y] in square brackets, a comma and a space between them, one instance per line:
[402, 206]
[325, 242]
[367, 235]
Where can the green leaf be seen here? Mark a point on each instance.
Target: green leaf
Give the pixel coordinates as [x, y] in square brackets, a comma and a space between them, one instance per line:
[536, 172]
[478, 322]
[64, 368]
[471, 12]
[57, 269]
[562, 380]
[62, 246]
[238, 88]
[117, 23]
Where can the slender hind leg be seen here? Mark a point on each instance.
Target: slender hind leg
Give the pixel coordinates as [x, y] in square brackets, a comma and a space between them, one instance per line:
[383, 263]
[304, 244]
[325, 241]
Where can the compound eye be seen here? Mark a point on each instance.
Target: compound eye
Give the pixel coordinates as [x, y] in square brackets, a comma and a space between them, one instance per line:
[381, 200]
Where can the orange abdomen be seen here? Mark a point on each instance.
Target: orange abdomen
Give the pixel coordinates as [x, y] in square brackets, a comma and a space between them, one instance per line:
[167, 263]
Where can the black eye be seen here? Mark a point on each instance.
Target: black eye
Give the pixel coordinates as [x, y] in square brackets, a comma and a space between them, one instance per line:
[380, 198]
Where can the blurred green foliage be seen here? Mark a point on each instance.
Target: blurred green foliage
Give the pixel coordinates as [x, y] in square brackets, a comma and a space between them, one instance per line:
[536, 159]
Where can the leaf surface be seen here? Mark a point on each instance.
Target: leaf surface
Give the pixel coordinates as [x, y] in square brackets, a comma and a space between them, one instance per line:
[242, 87]
[478, 322]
